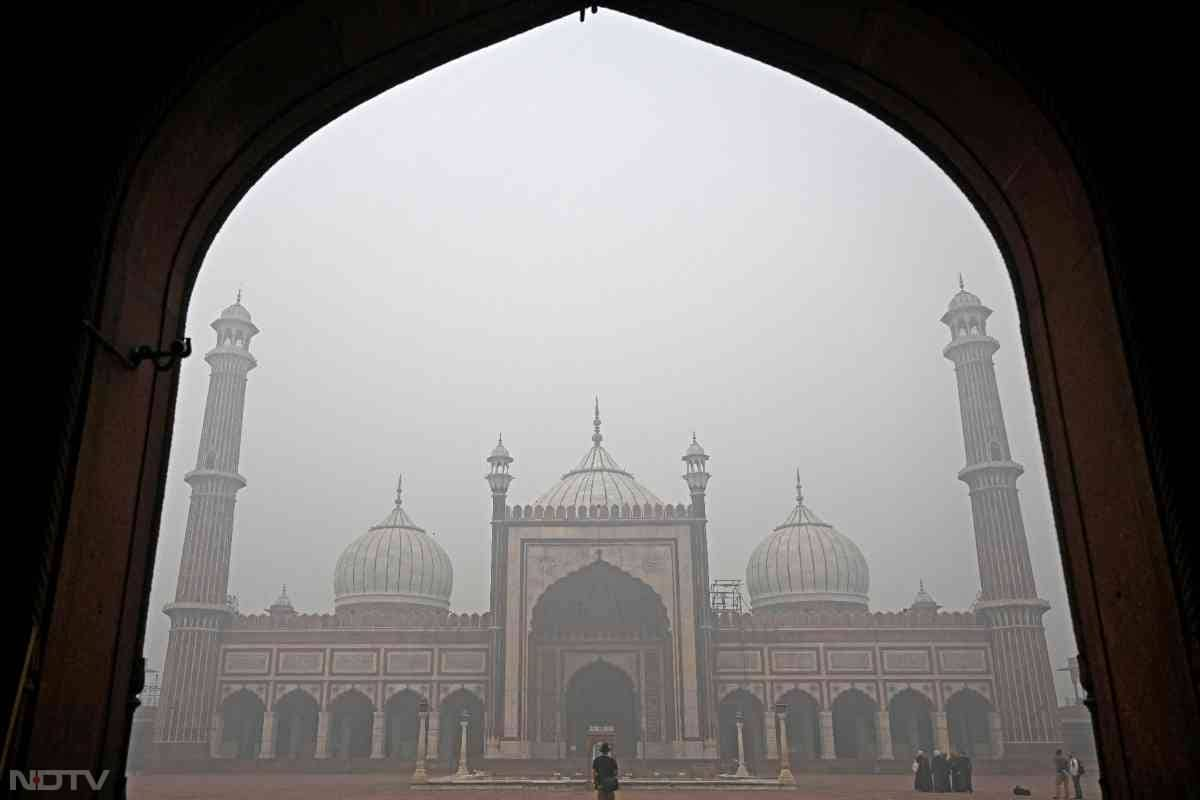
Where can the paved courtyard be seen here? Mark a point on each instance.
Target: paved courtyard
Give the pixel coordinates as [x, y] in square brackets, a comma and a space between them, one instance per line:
[351, 787]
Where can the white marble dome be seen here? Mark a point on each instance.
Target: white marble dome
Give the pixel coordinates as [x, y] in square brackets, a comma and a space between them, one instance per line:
[236, 311]
[395, 562]
[597, 481]
[807, 562]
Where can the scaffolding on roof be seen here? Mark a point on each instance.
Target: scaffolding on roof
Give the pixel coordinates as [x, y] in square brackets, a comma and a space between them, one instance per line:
[726, 595]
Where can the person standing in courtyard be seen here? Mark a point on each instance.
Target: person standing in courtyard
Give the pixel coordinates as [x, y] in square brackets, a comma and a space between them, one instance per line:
[941, 772]
[1060, 776]
[922, 779]
[604, 774]
[1075, 770]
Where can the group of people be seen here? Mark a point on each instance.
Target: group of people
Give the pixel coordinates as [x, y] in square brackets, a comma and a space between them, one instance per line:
[942, 773]
[1067, 768]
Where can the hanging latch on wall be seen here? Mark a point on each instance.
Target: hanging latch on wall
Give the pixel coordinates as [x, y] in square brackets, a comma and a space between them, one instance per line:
[163, 360]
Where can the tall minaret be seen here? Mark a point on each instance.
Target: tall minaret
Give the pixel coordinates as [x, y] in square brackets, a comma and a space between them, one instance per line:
[202, 608]
[499, 479]
[1025, 681]
[696, 475]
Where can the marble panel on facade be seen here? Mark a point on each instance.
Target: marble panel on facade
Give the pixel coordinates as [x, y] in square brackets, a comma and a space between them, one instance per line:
[247, 662]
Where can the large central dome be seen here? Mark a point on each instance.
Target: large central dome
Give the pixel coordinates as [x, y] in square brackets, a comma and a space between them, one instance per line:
[597, 481]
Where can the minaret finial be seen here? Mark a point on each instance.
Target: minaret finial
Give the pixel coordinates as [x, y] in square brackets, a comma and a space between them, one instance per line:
[596, 437]
[399, 485]
[239, 295]
[694, 438]
[500, 439]
[922, 582]
[961, 287]
[799, 489]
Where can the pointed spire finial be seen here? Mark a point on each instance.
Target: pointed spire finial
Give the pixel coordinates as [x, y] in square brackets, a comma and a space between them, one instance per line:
[799, 489]
[239, 295]
[961, 287]
[694, 438]
[922, 582]
[596, 437]
[399, 485]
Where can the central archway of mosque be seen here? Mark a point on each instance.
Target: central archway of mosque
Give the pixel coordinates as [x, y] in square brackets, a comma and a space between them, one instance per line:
[600, 656]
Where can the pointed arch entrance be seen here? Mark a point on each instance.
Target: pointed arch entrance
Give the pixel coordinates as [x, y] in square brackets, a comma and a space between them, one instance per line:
[854, 725]
[599, 632]
[296, 717]
[910, 721]
[752, 714]
[968, 716]
[241, 725]
[601, 695]
[803, 722]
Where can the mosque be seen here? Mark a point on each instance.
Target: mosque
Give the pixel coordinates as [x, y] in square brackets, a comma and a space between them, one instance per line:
[603, 622]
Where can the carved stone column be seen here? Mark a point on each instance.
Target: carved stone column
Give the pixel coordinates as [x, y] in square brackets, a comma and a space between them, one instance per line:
[769, 735]
[463, 772]
[419, 774]
[435, 735]
[785, 752]
[827, 750]
[742, 772]
[267, 749]
[322, 735]
[941, 731]
[378, 721]
[883, 729]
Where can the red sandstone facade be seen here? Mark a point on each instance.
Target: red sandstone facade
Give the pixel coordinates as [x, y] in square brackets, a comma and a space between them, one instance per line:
[601, 619]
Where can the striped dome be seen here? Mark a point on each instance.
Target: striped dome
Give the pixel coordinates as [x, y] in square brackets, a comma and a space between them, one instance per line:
[597, 480]
[394, 562]
[807, 561]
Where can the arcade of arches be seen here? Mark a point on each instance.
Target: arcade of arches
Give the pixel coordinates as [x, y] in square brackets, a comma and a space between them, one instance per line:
[854, 728]
[296, 727]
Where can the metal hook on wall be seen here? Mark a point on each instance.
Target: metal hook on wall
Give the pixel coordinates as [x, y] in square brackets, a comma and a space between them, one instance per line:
[163, 360]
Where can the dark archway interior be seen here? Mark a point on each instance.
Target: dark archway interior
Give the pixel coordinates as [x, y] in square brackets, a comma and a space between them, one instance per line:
[753, 729]
[402, 725]
[242, 724]
[450, 718]
[911, 723]
[296, 717]
[967, 717]
[854, 725]
[803, 721]
[350, 725]
[601, 695]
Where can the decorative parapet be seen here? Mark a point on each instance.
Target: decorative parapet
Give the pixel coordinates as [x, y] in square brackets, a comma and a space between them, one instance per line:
[625, 512]
[797, 618]
[401, 618]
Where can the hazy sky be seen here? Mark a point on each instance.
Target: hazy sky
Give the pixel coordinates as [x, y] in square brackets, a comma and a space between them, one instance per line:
[607, 209]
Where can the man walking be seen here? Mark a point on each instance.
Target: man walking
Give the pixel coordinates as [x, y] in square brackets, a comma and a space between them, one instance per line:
[1075, 770]
[1061, 767]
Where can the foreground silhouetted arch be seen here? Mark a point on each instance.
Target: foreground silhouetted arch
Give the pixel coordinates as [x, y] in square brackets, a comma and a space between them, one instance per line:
[259, 93]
